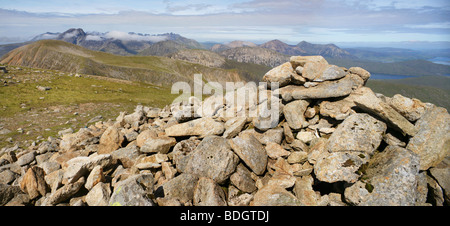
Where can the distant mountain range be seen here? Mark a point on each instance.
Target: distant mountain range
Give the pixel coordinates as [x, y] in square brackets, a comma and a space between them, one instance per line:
[64, 56]
[126, 44]
[248, 60]
[115, 42]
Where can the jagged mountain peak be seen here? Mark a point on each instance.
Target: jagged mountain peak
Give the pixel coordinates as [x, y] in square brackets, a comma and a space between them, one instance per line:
[73, 35]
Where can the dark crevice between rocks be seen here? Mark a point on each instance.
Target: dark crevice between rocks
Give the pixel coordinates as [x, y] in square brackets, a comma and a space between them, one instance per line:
[159, 192]
[326, 188]
[431, 196]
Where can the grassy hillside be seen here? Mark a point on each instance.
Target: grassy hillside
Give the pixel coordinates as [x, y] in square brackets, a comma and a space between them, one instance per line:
[70, 103]
[163, 71]
[432, 89]
[249, 71]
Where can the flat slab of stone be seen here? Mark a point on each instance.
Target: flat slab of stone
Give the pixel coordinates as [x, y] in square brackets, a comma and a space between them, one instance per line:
[199, 127]
[327, 89]
[367, 100]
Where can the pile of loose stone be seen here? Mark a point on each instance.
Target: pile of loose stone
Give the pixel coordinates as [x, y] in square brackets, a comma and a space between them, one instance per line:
[333, 142]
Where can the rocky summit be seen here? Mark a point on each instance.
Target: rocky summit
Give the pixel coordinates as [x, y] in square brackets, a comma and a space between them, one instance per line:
[333, 142]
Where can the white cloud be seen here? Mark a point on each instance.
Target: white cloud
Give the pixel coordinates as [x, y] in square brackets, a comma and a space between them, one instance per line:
[49, 36]
[93, 38]
[133, 37]
[445, 25]
[70, 35]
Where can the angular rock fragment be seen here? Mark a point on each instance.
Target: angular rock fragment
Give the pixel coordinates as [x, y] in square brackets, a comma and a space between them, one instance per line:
[370, 103]
[327, 89]
[357, 133]
[365, 75]
[389, 180]
[110, 141]
[330, 72]
[281, 74]
[242, 179]
[212, 158]
[158, 145]
[302, 60]
[33, 183]
[133, 191]
[234, 126]
[251, 151]
[411, 109]
[181, 188]
[339, 166]
[65, 192]
[304, 192]
[432, 141]
[199, 127]
[268, 114]
[294, 114]
[99, 195]
[274, 195]
[208, 193]
[80, 166]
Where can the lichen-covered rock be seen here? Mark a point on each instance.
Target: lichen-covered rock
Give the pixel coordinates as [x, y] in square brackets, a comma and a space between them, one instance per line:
[208, 193]
[432, 142]
[181, 187]
[297, 61]
[33, 183]
[339, 166]
[281, 74]
[357, 133]
[65, 192]
[411, 109]
[133, 191]
[390, 180]
[327, 89]
[182, 151]
[99, 195]
[274, 195]
[442, 176]
[212, 158]
[251, 151]
[242, 179]
[294, 114]
[321, 139]
[199, 127]
[158, 145]
[365, 75]
[369, 102]
[110, 140]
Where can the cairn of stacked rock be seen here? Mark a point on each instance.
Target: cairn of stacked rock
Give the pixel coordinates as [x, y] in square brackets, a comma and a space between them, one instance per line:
[333, 142]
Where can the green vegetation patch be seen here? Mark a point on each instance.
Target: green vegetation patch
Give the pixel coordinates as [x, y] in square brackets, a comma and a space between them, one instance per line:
[74, 90]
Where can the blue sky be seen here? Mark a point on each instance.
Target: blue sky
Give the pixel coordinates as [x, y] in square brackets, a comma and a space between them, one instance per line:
[317, 21]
